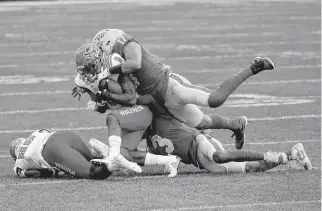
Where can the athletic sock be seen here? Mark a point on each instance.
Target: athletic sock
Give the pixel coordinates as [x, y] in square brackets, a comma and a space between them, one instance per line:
[264, 165]
[151, 159]
[220, 122]
[228, 86]
[237, 156]
[115, 145]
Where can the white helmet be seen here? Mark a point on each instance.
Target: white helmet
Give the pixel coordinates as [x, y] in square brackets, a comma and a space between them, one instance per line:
[15, 146]
[106, 39]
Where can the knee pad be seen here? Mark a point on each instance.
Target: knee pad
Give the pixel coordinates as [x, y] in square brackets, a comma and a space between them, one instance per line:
[112, 119]
[205, 123]
[216, 99]
[99, 172]
[220, 156]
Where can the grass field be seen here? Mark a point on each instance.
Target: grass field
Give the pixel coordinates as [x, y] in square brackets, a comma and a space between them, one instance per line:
[204, 42]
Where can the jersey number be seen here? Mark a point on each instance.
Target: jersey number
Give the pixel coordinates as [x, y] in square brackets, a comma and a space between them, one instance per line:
[24, 147]
[121, 39]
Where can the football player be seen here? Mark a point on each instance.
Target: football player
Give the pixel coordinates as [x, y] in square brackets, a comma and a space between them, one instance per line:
[169, 136]
[181, 98]
[44, 154]
[125, 120]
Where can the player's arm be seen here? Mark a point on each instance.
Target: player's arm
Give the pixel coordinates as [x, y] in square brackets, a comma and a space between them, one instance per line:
[35, 173]
[128, 97]
[133, 59]
[149, 100]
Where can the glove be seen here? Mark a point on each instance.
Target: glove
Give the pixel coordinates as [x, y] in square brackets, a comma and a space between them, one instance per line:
[92, 106]
[102, 96]
[78, 91]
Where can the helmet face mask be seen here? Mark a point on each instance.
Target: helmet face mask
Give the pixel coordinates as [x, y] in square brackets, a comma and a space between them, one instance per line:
[88, 63]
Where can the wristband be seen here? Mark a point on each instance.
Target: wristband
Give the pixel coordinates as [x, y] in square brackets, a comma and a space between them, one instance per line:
[116, 69]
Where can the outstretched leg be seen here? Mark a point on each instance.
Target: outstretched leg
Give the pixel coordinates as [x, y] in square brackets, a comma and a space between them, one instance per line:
[179, 94]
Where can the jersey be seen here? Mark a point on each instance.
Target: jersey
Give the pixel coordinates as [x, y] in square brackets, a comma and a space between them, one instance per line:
[153, 76]
[30, 153]
[181, 136]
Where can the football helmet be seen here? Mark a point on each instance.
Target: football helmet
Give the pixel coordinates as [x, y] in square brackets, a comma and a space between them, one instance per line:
[106, 39]
[88, 62]
[14, 146]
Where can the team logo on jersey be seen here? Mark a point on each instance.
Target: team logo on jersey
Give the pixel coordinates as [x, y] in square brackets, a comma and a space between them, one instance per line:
[161, 145]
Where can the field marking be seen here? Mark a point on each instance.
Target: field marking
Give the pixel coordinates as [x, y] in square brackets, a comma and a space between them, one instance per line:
[30, 79]
[36, 111]
[181, 47]
[205, 85]
[175, 58]
[124, 178]
[155, 45]
[239, 206]
[104, 127]
[235, 101]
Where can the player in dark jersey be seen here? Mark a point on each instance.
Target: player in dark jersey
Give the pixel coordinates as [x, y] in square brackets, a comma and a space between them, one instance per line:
[169, 136]
[181, 98]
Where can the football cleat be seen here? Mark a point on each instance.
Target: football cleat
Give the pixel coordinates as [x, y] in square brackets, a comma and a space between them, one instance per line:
[275, 157]
[239, 134]
[298, 153]
[98, 148]
[172, 166]
[261, 63]
[123, 163]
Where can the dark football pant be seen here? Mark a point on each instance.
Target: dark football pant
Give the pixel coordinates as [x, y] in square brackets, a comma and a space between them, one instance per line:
[67, 151]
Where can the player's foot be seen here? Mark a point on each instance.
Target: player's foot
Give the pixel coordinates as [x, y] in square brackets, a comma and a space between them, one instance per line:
[298, 153]
[98, 148]
[124, 163]
[172, 166]
[275, 157]
[111, 166]
[261, 63]
[240, 136]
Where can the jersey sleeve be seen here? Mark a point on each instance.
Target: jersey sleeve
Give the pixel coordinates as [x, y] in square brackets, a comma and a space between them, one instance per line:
[20, 168]
[121, 42]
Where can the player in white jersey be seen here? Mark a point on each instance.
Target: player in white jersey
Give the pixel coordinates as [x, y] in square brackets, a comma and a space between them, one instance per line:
[45, 153]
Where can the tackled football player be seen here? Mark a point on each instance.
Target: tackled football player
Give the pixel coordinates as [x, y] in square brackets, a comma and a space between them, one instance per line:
[175, 92]
[169, 136]
[126, 121]
[44, 154]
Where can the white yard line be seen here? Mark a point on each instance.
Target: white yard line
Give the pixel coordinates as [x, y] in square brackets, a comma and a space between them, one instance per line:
[104, 127]
[205, 85]
[238, 206]
[123, 178]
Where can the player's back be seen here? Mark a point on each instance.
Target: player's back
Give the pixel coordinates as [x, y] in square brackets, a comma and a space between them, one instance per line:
[153, 75]
[30, 152]
[178, 133]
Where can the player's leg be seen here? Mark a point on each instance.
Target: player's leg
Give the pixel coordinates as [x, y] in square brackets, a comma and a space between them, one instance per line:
[220, 156]
[130, 142]
[192, 95]
[60, 152]
[136, 118]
